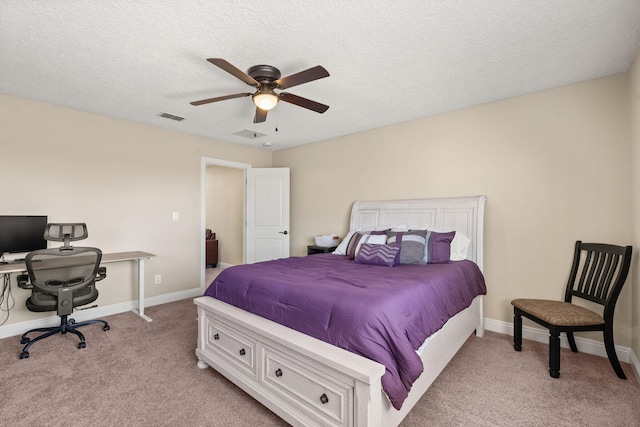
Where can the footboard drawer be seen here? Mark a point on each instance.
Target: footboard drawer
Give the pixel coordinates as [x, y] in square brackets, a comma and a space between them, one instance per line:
[326, 399]
[235, 346]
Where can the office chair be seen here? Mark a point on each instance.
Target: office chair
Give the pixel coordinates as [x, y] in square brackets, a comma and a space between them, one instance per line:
[598, 277]
[61, 279]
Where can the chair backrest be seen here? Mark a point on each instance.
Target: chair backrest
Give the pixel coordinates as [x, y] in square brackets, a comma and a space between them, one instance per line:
[598, 273]
[65, 271]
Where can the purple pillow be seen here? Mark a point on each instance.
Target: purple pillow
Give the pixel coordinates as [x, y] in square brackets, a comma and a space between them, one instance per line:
[438, 247]
[384, 255]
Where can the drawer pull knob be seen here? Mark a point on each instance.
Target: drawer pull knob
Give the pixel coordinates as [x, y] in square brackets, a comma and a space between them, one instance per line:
[242, 352]
[278, 372]
[324, 399]
[216, 337]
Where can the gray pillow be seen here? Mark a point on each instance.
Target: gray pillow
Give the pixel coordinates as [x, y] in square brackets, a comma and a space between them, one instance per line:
[411, 245]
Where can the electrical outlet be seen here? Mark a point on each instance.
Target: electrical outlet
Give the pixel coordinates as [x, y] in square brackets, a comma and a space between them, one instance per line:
[158, 279]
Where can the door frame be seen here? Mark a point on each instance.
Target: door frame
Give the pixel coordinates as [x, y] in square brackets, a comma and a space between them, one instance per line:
[209, 161]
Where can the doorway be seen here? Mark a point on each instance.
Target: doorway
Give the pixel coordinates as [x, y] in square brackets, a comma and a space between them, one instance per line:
[231, 188]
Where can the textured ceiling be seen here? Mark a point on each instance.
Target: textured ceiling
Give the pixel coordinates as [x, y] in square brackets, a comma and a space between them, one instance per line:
[390, 61]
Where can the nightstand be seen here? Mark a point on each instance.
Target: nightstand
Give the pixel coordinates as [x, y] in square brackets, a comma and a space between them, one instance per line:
[314, 249]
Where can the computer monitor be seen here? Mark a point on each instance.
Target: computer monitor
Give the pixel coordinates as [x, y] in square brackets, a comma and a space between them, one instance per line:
[22, 233]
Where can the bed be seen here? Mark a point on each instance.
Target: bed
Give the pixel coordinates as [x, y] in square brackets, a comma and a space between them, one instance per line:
[307, 381]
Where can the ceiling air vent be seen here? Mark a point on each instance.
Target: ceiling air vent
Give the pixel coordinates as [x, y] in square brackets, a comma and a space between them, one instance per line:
[251, 134]
[172, 117]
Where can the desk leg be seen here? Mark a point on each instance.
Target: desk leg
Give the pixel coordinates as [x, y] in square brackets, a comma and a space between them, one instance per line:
[140, 310]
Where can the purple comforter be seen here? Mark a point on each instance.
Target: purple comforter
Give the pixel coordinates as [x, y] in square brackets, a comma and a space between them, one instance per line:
[381, 313]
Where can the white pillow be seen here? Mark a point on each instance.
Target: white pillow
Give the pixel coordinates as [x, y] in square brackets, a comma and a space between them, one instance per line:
[459, 247]
[342, 247]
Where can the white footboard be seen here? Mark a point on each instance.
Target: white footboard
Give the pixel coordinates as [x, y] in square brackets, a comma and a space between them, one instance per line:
[308, 382]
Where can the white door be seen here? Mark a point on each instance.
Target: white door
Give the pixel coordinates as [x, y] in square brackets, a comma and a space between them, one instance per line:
[267, 227]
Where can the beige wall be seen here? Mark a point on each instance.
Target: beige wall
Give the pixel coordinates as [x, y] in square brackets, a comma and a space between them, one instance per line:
[634, 102]
[555, 166]
[225, 206]
[122, 178]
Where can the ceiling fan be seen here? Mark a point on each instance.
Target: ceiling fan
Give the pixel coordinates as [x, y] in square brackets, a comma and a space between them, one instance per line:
[266, 79]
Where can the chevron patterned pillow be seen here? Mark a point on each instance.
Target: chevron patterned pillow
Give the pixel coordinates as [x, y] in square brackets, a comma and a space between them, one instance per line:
[373, 237]
[372, 254]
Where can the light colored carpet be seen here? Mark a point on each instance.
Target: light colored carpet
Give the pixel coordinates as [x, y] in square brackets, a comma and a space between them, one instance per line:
[145, 374]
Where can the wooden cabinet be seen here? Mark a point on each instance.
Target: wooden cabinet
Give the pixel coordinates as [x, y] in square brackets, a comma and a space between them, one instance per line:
[211, 249]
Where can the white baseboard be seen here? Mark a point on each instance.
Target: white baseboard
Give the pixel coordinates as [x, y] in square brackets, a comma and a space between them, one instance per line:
[585, 345]
[225, 265]
[97, 312]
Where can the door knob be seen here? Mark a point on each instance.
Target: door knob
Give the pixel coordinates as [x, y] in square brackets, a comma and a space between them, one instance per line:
[283, 232]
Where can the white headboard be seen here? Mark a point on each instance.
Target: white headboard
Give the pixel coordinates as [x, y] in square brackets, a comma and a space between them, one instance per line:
[462, 214]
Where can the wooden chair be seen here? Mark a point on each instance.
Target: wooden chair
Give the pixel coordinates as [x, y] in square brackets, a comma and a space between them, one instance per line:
[598, 276]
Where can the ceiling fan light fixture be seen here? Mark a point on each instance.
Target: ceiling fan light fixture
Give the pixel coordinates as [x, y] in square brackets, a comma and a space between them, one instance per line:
[265, 99]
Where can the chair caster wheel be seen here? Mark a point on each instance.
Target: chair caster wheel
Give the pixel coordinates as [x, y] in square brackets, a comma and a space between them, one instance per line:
[106, 328]
[24, 340]
[82, 345]
[24, 355]
[71, 321]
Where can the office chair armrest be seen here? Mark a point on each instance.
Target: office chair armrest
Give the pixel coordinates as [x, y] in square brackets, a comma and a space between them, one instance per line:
[23, 281]
[102, 273]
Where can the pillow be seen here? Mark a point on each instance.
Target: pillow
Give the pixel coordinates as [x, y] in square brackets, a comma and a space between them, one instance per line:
[438, 247]
[411, 245]
[341, 249]
[459, 247]
[371, 254]
[378, 238]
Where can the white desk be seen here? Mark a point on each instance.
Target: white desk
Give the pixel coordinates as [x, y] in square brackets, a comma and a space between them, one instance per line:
[135, 256]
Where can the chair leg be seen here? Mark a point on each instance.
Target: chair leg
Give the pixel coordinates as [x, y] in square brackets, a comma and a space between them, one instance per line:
[82, 343]
[611, 352]
[91, 322]
[517, 330]
[66, 325]
[29, 342]
[554, 354]
[572, 341]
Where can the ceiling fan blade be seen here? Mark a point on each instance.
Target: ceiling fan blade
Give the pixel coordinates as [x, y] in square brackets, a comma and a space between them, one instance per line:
[303, 102]
[315, 73]
[261, 115]
[234, 71]
[219, 98]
